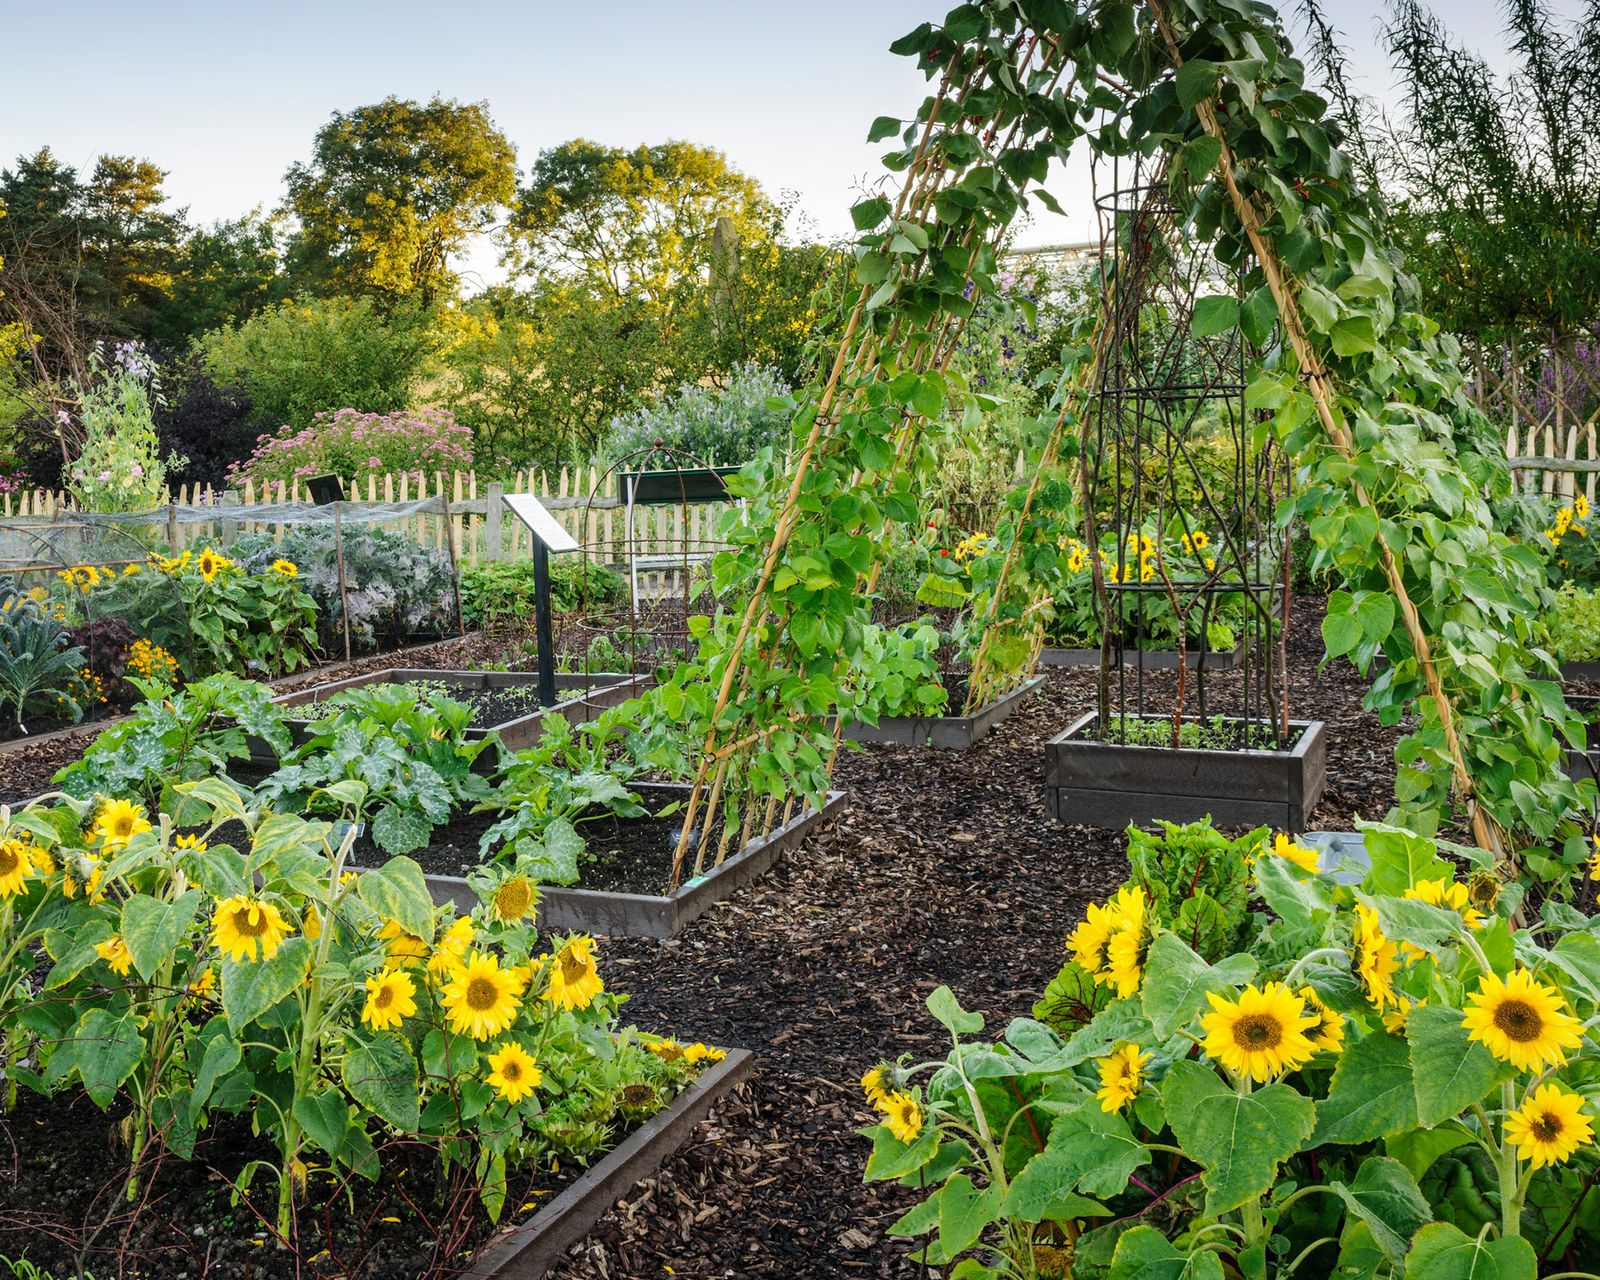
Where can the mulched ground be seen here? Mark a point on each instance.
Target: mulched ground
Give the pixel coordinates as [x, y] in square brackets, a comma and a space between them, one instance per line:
[945, 869]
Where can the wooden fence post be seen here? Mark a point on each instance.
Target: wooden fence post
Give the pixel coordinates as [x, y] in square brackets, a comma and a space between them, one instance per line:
[494, 515]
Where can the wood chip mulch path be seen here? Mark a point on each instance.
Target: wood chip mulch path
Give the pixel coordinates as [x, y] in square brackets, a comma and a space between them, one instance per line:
[944, 870]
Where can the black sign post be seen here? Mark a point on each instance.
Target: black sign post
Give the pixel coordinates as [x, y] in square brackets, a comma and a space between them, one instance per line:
[548, 536]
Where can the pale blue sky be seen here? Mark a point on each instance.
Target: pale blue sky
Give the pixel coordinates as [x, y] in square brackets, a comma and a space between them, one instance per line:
[225, 96]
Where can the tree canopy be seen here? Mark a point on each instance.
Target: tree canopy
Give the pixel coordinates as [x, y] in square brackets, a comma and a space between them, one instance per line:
[394, 189]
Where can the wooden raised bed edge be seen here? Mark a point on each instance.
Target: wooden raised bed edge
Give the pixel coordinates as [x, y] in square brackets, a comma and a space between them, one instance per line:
[641, 915]
[529, 1249]
[954, 733]
[1110, 784]
[1580, 671]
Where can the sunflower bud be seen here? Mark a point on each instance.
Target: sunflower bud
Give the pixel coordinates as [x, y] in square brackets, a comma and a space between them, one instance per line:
[1483, 890]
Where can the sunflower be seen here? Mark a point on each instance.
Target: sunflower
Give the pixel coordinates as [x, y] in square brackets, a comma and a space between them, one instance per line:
[1447, 894]
[513, 1073]
[241, 924]
[1091, 939]
[193, 843]
[1594, 858]
[1327, 1034]
[212, 563]
[574, 980]
[1125, 958]
[285, 568]
[205, 985]
[1121, 1076]
[391, 999]
[405, 948]
[114, 951]
[1580, 506]
[514, 899]
[697, 1053]
[875, 1084]
[481, 998]
[1199, 540]
[1374, 959]
[903, 1114]
[119, 822]
[452, 945]
[1262, 1034]
[671, 1051]
[15, 866]
[1522, 1021]
[1290, 850]
[1549, 1126]
[1395, 1020]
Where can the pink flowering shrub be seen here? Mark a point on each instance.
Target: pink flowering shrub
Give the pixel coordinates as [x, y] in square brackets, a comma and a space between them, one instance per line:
[353, 444]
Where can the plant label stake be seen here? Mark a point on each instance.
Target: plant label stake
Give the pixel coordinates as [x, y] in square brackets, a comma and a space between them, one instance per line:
[548, 536]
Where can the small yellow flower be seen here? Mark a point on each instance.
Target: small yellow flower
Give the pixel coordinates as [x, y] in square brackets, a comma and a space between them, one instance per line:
[452, 946]
[114, 951]
[1327, 1036]
[119, 822]
[513, 1073]
[697, 1053]
[1549, 1126]
[191, 842]
[405, 949]
[243, 925]
[903, 1114]
[16, 864]
[391, 999]
[874, 1084]
[285, 569]
[205, 986]
[1121, 1076]
[574, 979]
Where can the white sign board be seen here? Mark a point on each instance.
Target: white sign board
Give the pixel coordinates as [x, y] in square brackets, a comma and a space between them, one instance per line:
[544, 526]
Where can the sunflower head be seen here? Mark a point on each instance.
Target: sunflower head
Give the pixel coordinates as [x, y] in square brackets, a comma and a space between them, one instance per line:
[903, 1115]
[515, 897]
[1549, 1126]
[1374, 959]
[574, 978]
[1121, 1076]
[404, 947]
[114, 951]
[450, 948]
[1289, 849]
[481, 998]
[119, 822]
[1327, 1033]
[513, 1072]
[391, 999]
[212, 563]
[1521, 1021]
[246, 928]
[16, 865]
[1260, 1035]
[285, 568]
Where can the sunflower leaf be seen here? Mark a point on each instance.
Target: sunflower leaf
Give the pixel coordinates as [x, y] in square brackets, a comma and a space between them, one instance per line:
[251, 987]
[1451, 1071]
[1177, 981]
[1373, 1092]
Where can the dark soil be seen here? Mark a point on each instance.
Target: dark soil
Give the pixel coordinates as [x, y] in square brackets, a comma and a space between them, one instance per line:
[490, 707]
[945, 869]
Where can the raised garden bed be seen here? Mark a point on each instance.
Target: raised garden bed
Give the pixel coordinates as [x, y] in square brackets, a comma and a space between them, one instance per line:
[955, 733]
[1149, 659]
[530, 1248]
[1110, 784]
[626, 864]
[504, 702]
[1580, 671]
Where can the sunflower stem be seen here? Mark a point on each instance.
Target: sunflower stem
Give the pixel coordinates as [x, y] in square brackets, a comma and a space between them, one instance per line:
[1512, 1188]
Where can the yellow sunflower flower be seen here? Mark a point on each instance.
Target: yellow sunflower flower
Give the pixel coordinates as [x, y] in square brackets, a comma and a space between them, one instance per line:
[212, 563]
[1262, 1034]
[1327, 1034]
[452, 945]
[243, 928]
[1395, 1020]
[874, 1084]
[1090, 940]
[1374, 959]
[119, 822]
[193, 843]
[1290, 850]
[285, 568]
[574, 979]
[391, 999]
[1580, 506]
[514, 899]
[513, 1073]
[1121, 1076]
[114, 951]
[16, 865]
[481, 998]
[1448, 894]
[205, 985]
[405, 948]
[1521, 1021]
[903, 1114]
[669, 1050]
[1549, 1126]
[697, 1053]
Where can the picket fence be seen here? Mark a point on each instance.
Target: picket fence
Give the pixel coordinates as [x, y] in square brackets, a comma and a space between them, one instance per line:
[455, 506]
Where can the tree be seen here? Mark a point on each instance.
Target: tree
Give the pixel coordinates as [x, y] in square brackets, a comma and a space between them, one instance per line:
[130, 244]
[226, 273]
[391, 192]
[631, 224]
